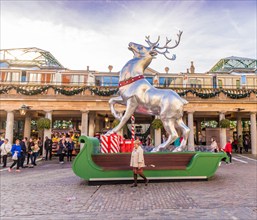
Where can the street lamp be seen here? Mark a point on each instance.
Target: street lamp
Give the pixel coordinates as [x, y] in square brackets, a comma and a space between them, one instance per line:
[106, 118]
[23, 109]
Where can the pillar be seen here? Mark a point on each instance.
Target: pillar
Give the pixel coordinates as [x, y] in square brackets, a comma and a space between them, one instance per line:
[9, 126]
[120, 132]
[239, 127]
[157, 135]
[84, 123]
[253, 132]
[191, 142]
[91, 126]
[27, 126]
[223, 135]
[47, 132]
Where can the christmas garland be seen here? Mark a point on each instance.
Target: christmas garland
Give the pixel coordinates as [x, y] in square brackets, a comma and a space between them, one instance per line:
[70, 91]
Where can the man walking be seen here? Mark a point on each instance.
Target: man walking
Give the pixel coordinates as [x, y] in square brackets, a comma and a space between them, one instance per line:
[48, 148]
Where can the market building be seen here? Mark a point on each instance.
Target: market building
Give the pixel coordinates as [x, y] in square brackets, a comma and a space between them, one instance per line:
[33, 85]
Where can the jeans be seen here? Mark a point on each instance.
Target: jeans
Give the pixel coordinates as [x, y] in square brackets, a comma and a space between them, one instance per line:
[4, 160]
[61, 157]
[23, 156]
[49, 151]
[16, 162]
[34, 157]
[69, 155]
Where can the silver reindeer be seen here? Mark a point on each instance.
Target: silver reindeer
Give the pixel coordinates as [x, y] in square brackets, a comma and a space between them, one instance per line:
[140, 96]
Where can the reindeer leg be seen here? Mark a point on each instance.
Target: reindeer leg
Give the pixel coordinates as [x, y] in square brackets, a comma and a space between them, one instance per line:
[112, 102]
[130, 109]
[185, 132]
[169, 126]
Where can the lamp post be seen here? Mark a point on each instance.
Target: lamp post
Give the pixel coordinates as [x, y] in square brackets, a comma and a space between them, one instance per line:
[106, 118]
[23, 109]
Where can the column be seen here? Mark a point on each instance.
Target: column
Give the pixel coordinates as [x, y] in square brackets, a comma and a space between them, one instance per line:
[191, 142]
[253, 132]
[239, 127]
[84, 123]
[9, 126]
[223, 135]
[47, 132]
[157, 135]
[27, 126]
[120, 132]
[91, 127]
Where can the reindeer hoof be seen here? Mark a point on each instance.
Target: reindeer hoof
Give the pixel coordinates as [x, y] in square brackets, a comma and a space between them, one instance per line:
[177, 149]
[109, 133]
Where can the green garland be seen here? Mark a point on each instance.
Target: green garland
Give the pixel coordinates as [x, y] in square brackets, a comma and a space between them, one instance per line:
[157, 124]
[70, 91]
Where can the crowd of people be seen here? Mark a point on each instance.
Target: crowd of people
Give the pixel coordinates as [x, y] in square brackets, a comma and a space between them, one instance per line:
[24, 153]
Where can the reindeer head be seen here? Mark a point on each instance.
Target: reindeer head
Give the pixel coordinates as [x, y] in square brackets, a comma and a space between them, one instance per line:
[141, 51]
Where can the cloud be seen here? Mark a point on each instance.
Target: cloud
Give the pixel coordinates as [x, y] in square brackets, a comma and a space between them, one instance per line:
[96, 34]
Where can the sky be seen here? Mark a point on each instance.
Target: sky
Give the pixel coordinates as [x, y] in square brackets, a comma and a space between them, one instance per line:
[97, 33]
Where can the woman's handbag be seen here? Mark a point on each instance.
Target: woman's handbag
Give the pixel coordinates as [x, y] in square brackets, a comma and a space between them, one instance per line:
[15, 156]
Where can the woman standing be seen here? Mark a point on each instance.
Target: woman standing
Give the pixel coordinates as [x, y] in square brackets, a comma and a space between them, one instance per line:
[214, 146]
[16, 155]
[62, 148]
[35, 152]
[137, 162]
[5, 149]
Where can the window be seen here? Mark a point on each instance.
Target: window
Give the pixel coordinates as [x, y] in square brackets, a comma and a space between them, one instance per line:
[220, 83]
[166, 81]
[23, 76]
[238, 84]
[149, 79]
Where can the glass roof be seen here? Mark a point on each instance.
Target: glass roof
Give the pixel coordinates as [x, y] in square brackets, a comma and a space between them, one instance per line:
[235, 63]
[29, 57]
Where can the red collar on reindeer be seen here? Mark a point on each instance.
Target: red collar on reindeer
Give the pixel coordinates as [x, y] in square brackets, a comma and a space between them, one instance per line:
[130, 80]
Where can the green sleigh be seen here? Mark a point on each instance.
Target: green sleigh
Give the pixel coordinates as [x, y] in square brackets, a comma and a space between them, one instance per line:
[159, 166]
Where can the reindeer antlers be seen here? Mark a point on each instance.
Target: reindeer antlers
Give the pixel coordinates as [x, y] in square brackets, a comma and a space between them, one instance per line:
[155, 45]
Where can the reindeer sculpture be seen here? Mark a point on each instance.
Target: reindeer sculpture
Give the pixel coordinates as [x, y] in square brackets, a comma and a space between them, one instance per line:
[140, 96]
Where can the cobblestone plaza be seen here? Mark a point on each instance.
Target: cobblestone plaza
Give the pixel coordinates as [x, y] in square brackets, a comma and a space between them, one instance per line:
[52, 191]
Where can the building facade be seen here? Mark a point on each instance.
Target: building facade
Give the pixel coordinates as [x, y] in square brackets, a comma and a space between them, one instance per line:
[77, 100]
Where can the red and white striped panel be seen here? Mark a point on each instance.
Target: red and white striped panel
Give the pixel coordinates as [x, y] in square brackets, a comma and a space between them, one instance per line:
[110, 144]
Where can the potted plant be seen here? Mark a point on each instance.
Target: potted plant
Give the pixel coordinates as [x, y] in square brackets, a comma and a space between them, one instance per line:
[43, 123]
[157, 124]
[224, 123]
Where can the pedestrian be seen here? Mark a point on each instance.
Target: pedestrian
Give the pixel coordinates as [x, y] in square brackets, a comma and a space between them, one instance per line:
[234, 145]
[35, 152]
[5, 150]
[246, 143]
[16, 156]
[29, 152]
[137, 162]
[214, 146]
[62, 149]
[23, 152]
[228, 150]
[164, 139]
[70, 147]
[40, 145]
[1, 142]
[48, 148]
[240, 144]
